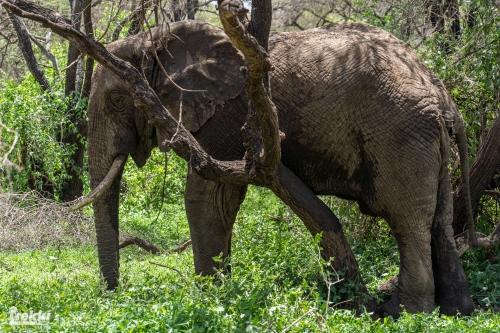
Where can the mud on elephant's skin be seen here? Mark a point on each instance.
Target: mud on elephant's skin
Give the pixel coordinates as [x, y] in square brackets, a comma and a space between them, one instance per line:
[364, 119]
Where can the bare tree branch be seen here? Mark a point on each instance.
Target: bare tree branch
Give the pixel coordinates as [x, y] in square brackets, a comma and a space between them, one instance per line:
[48, 54]
[132, 16]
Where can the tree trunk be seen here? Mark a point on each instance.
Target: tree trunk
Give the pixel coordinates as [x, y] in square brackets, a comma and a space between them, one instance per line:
[438, 11]
[453, 11]
[35, 165]
[73, 188]
[177, 10]
[136, 18]
[89, 31]
[483, 169]
[260, 23]
[260, 26]
[192, 7]
[24, 42]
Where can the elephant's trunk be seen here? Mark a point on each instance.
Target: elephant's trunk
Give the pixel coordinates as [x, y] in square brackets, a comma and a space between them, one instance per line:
[106, 160]
[106, 220]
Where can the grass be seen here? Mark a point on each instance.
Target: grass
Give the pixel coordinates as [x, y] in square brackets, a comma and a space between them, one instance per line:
[276, 283]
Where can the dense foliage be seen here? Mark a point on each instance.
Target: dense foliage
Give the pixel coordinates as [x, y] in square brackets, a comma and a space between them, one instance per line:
[39, 119]
[278, 281]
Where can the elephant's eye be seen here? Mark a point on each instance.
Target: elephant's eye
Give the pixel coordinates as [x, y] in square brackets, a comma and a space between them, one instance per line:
[118, 100]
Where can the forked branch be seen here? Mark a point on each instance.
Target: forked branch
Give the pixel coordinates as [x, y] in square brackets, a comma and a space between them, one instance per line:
[258, 64]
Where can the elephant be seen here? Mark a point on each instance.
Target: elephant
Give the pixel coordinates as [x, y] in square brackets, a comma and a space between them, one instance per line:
[364, 119]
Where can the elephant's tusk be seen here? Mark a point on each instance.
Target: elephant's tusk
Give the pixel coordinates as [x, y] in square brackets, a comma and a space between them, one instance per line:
[114, 171]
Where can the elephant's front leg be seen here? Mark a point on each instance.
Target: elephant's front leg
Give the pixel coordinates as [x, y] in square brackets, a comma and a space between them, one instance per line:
[211, 211]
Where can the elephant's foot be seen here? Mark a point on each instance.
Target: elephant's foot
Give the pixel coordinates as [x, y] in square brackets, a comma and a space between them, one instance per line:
[392, 307]
[372, 309]
[409, 302]
[456, 300]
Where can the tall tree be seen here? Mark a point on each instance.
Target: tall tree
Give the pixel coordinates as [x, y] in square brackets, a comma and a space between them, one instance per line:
[73, 188]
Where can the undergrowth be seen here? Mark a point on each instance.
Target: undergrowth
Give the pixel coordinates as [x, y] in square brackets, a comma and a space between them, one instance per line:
[277, 284]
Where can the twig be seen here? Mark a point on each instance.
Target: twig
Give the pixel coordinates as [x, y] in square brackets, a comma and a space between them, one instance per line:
[73, 63]
[297, 320]
[336, 304]
[174, 269]
[130, 17]
[5, 158]
[181, 248]
[495, 194]
[48, 54]
[158, 59]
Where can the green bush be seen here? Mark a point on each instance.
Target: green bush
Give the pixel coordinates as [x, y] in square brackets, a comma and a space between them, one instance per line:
[40, 119]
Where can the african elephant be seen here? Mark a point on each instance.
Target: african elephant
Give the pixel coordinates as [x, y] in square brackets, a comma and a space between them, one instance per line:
[364, 120]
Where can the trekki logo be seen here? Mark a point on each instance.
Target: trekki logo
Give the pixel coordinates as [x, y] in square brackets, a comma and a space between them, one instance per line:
[31, 318]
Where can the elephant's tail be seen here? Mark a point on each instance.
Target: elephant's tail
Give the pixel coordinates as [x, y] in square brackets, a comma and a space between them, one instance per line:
[461, 138]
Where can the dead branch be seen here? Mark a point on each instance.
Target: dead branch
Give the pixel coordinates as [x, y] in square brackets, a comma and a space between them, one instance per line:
[286, 329]
[141, 243]
[27, 51]
[6, 164]
[488, 243]
[181, 248]
[151, 248]
[5, 159]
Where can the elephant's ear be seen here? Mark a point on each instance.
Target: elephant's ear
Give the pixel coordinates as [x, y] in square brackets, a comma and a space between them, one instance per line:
[201, 58]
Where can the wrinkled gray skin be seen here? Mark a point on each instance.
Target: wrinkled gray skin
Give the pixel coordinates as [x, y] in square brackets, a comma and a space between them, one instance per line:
[364, 120]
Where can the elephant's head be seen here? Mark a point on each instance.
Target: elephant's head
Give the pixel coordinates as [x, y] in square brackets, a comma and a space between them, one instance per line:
[196, 56]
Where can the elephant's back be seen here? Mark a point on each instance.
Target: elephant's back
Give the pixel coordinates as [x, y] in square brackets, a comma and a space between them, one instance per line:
[345, 93]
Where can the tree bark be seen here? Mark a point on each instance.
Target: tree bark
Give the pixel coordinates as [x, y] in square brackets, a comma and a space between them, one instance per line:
[453, 10]
[483, 169]
[192, 7]
[89, 63]
[137, 19]
[260, 22]
[177, 10]
[24, 42]
[73, 188]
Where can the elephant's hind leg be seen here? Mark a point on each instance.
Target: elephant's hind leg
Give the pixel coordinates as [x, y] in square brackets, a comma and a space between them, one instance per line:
[415, 290]
[211, 211]
[410, 211]
[452, 292]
